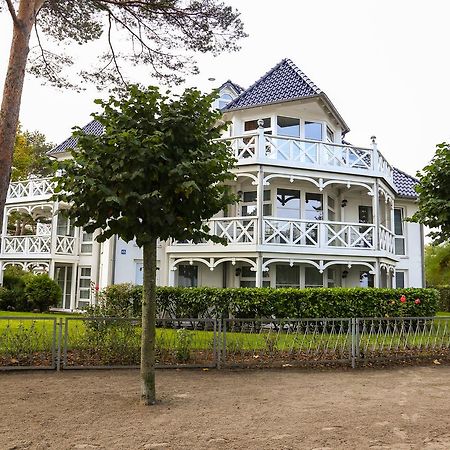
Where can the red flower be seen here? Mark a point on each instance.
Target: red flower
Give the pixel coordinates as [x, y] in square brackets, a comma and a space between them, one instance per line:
[417, 301]
[403, 299]
[97, 287]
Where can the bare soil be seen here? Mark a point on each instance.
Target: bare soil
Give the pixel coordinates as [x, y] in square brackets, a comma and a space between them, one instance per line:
[390, 408]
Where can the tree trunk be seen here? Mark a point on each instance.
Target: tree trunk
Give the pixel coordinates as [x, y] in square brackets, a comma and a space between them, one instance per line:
[12, 91]
[148, 394]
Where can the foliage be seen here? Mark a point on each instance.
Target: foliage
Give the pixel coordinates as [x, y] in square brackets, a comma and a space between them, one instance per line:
[160, 35]
[117, 300]
[444, 298]
[14, 280]
[434, 195]
[30, 155]
[42, 292]
[7, 299]
[437, 264]
[183, 344]
[155, 172]
[204, 302]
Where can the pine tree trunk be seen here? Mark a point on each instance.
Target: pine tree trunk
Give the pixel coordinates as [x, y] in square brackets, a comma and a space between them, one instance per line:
[12, 91]
[148, 394]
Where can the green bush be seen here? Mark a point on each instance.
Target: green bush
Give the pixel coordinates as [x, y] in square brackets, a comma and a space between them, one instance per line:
[7, 299]
[444, 298]
[42, 292]
[14, 280]
[118, 300]
[268, 302]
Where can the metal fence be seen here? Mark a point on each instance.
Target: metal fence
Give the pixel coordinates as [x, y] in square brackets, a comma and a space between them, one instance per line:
[105, 342]
[28, 342]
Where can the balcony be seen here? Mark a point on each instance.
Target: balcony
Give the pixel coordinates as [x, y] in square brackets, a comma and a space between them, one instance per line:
[301, 153]
[38, 245]
[242, 233]
[30, 190]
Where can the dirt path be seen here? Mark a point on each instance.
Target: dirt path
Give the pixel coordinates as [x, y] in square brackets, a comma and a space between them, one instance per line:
[403, 408]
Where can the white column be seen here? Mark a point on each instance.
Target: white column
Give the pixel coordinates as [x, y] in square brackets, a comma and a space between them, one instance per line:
[261, 144]
[54, 229]
[171, 274]
[259, 208]
[4, 230]
[376, 216]
[74, 287]
[1, 273]
[259, 274]
[377, 275]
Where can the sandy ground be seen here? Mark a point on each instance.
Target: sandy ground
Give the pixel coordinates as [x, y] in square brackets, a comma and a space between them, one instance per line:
[399, 408]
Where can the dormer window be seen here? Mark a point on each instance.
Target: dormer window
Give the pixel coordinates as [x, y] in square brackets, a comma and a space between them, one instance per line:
[252, 125]
[288, 126]
[313, 130]
[224, 100]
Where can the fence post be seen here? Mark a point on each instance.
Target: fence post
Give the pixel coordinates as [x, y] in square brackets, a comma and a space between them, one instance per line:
[217, 340]
[224, 342]
[58, 356]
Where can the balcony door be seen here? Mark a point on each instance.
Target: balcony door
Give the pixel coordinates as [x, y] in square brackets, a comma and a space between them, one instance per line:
[63, 276]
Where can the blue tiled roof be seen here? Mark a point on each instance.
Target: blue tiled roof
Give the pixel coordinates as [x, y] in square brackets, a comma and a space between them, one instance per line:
[405, 184]
[93, 127]
[283, 82]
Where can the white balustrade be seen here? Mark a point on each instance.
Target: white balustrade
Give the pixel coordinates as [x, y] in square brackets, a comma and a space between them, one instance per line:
[44, 229]
[24, 245]
[297, 152]
[39, 187]
[387, 240]
[236, 230]
[291, 232]
[349, 235]
[65, 245]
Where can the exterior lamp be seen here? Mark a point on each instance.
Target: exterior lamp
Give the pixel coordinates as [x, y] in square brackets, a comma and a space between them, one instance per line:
[344, 203]
[344, 274]
[238, 271]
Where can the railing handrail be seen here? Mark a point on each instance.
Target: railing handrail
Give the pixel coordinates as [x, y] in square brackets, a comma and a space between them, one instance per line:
[326, 222]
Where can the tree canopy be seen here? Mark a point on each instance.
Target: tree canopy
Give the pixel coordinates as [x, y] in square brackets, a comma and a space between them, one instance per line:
[434, 195]
[157, 172]
[30, 155]
[437, 264]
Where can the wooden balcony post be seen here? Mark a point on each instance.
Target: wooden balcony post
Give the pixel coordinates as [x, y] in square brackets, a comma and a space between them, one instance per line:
[261, 144]
[376, 216]
[374, 154]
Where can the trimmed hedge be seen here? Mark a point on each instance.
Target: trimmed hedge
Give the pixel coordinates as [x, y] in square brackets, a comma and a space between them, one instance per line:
[268, 302]
[444, 298]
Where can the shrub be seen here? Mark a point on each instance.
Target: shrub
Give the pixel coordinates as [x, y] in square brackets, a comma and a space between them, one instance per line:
[268, 302]
[14, 279]
[42, 292]
[118, 300]
[444, 298]
[7, 299]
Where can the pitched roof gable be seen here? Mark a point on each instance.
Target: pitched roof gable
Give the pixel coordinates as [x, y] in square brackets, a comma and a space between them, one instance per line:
[92, 127]
[283, 82]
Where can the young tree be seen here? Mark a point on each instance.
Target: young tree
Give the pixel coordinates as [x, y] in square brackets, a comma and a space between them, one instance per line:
[159, 34]
[30, 155]
[157, 172]
[434, 195]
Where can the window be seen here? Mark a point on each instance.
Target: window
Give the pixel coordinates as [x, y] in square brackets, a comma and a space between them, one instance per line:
[287, 276]
[84, 284]
[399, 279]
[400, 247]
[330, 134]
[331, 209]
[224, 100]
[252, 125]
[86, 242]
[313, 277]
[248, 278]
[288, 126]
[313, 206]
[64, 227]
[249, 200]
[187, 276]
[288, 203]
[331, 278]
[313, 130]
[366, 279]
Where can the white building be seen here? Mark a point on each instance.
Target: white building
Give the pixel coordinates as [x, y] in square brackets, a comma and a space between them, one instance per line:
[314, 210]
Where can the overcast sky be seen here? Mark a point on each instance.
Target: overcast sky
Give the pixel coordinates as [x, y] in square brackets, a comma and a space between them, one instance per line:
[384, 64]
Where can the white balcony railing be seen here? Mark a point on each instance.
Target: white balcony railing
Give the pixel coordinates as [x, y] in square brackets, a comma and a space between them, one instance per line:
[235, 230]
[23, 245]
[387, 240]
[296, 152]
[39, 187]
[300, 232]
[291, 232]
